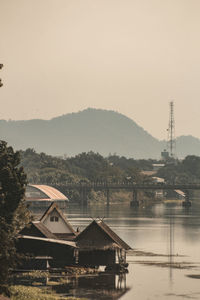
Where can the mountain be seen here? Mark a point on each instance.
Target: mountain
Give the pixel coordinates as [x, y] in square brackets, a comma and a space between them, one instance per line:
[95, 130]
[187, 145]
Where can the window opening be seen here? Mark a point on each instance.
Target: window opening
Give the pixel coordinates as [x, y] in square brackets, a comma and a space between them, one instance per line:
[54, 219]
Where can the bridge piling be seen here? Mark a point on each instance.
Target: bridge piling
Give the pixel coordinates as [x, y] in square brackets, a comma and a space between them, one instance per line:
[134, 202]
[187, 202]
[83, 194]
[108, 197]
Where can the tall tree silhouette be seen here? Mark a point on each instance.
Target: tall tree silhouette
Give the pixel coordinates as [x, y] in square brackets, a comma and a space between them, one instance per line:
[13, 212]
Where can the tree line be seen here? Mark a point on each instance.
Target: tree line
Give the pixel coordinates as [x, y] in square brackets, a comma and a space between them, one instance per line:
[90, 166]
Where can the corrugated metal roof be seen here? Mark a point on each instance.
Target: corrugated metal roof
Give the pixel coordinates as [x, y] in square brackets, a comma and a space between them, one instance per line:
[51, 193]
[180, 192]
[56, 241]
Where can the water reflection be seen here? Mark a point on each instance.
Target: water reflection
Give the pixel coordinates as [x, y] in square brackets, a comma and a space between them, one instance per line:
[103, 286]
[171, 246]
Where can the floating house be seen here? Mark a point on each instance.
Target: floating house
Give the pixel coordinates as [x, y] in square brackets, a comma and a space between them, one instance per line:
[43, 195]
[99, 245]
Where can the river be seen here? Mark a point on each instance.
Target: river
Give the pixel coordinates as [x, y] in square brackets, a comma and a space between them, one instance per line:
[166, 238]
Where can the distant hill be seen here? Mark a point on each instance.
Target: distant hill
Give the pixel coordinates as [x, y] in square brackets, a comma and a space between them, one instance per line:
[95, 130]
[187, 145]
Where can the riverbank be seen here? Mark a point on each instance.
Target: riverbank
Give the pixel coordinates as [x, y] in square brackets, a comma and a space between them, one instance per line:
[20, 292]
[38, 285]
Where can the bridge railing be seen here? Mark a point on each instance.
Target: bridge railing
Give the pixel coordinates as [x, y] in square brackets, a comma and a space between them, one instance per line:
[129, 185]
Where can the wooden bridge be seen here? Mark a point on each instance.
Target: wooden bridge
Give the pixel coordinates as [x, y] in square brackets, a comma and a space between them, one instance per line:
[85, 187]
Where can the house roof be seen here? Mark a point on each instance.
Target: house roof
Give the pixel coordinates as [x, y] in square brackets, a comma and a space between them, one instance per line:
[117, 242]
[52, 207]
[113, 235]
[46, 232]
[148, 173]
[40, 229]
[50, 192]
[65, 236]
[55, 241]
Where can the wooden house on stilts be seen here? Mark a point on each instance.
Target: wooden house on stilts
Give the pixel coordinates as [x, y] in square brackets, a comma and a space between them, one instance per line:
[98, 245]
[54, 237]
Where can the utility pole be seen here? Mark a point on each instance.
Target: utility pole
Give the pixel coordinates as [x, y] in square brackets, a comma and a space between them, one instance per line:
[171, 131]
[1, 66]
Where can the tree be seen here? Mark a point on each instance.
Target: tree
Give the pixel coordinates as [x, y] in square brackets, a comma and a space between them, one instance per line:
[1, 84]
[13, 212]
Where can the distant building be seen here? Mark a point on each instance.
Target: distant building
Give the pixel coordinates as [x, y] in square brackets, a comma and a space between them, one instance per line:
[43, 195]
[148, 173]
[160, 181]
[157, 167]
[165, 155]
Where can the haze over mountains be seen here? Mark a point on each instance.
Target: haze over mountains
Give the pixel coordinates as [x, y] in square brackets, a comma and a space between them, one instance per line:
[102, 131]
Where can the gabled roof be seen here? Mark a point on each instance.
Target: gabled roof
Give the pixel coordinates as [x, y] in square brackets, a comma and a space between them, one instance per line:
[52, 207]
[38, 229]
[113, 235]
[116, 240]
[46, 232]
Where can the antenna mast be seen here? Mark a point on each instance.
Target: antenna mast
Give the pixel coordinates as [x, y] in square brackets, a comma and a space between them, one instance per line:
[171, 131]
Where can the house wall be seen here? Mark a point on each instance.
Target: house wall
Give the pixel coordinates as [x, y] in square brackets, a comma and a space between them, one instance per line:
[57, 251]
[56, 227]
[96, 258]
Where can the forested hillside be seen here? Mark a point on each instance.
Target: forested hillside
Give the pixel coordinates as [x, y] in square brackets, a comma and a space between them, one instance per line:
[94, 130]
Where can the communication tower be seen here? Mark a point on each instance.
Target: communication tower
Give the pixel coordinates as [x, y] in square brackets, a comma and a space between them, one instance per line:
[171, 132]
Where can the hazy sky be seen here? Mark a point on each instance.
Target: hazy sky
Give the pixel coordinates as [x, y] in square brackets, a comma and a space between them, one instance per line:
[131, 56]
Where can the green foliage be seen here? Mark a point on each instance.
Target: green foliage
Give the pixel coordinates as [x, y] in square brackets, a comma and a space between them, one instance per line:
[83, 168]
[185, 171]
[95, 167]
[42, 168]
[20, 292]
[13, 213]
[125, 163]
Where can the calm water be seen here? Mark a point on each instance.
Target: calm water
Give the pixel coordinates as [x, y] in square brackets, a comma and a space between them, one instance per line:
[162, 229]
